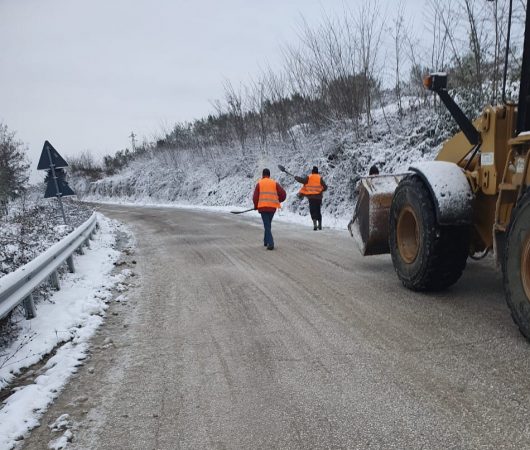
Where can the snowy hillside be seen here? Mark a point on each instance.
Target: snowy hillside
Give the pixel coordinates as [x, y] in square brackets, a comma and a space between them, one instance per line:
[226, 176]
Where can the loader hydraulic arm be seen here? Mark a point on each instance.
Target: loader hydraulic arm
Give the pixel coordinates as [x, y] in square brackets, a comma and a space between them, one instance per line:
[523, 115]
[437, 82]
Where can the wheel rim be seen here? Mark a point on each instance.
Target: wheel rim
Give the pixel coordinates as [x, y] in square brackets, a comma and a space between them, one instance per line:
[525, 265]
[408, 236]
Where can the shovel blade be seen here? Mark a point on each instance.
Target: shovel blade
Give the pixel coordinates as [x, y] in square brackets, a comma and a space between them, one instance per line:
[370, 228]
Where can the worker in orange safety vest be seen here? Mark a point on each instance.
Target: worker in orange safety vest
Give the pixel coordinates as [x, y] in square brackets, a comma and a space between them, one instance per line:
[313, 187]
[268, 196]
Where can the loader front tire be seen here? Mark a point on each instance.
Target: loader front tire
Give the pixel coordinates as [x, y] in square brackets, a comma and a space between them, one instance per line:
[426, 256]
[516, 265]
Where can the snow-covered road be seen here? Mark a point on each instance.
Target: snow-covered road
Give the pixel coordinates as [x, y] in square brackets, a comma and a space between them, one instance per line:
[227, 345]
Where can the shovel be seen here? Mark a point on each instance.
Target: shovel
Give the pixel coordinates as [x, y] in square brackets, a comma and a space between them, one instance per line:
[241, 212]
[283, 169]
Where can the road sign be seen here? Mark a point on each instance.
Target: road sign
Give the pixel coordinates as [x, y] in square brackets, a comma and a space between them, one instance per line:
[49, 157]
[64, 189]
[57, 186]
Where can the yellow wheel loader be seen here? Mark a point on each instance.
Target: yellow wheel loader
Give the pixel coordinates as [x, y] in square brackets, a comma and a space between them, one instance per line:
[475, 197]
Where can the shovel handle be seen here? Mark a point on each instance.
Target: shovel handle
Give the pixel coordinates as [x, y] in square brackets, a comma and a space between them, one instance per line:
[241, 212]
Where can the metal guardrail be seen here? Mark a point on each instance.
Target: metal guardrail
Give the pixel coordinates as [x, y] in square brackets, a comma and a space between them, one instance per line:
[17, 287]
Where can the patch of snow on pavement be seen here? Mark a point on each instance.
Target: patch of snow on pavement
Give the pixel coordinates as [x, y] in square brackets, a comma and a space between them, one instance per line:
[62, 441]
[61, 423]
[70, 318]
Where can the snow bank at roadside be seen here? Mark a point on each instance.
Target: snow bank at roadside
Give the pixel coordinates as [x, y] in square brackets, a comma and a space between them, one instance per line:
[68, 320]
[283, 215]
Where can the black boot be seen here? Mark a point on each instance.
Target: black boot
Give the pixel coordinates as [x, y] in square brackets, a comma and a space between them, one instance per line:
[319, 224]
[314, 225]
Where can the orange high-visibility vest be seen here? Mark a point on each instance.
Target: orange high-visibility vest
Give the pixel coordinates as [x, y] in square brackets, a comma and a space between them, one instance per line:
[313, 186]
[268, 195]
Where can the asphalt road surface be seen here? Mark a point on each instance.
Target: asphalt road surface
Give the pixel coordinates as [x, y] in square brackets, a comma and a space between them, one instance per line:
[224, 344]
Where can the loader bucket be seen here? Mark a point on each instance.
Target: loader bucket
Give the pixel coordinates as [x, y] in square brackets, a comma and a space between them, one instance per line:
[370, 228]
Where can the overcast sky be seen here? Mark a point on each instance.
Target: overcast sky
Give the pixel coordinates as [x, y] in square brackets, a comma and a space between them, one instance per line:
[84, 74]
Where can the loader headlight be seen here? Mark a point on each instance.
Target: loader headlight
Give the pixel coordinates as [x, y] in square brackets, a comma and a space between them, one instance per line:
[435, 81]
[427, 82]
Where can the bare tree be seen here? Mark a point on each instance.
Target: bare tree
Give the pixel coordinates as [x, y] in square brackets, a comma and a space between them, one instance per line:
[398, 33]
[235, 111]
[334, 67]
[258, 102]
[370, 24]
[478, 40]
[277, 105]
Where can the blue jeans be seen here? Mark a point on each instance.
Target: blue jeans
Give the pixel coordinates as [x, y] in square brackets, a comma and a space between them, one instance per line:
[267, 224]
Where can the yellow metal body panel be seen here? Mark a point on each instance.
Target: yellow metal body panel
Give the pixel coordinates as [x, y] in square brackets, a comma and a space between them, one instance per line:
[455, 149]
[497, 174]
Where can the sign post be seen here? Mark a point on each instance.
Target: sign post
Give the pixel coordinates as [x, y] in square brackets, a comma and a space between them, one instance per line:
[54, 176]
[57, 186]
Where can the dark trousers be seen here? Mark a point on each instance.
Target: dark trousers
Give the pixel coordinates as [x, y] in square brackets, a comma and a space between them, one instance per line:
[314, 209]
[267, 224]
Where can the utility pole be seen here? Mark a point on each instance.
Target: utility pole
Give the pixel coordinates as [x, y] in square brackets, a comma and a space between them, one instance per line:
[133, 141]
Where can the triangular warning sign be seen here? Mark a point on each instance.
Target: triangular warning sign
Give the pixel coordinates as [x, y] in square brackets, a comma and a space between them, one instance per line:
[49, 152]
[64, 189]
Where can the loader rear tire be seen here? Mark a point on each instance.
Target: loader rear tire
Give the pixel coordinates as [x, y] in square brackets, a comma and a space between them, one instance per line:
[426, 256]
[516, 265]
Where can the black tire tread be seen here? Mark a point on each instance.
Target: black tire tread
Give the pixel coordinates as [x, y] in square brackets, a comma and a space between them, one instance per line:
[515, 309]
[447, 247]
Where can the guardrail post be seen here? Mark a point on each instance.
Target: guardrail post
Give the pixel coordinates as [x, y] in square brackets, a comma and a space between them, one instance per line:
[70, 263]
[87, 243]
[29, 307]
[54, 281]
[81, 250]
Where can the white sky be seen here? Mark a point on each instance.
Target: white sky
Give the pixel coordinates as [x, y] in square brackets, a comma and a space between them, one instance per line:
[84, 74]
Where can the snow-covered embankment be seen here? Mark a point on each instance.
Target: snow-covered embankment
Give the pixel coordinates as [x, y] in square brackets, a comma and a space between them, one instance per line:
[63, 327]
